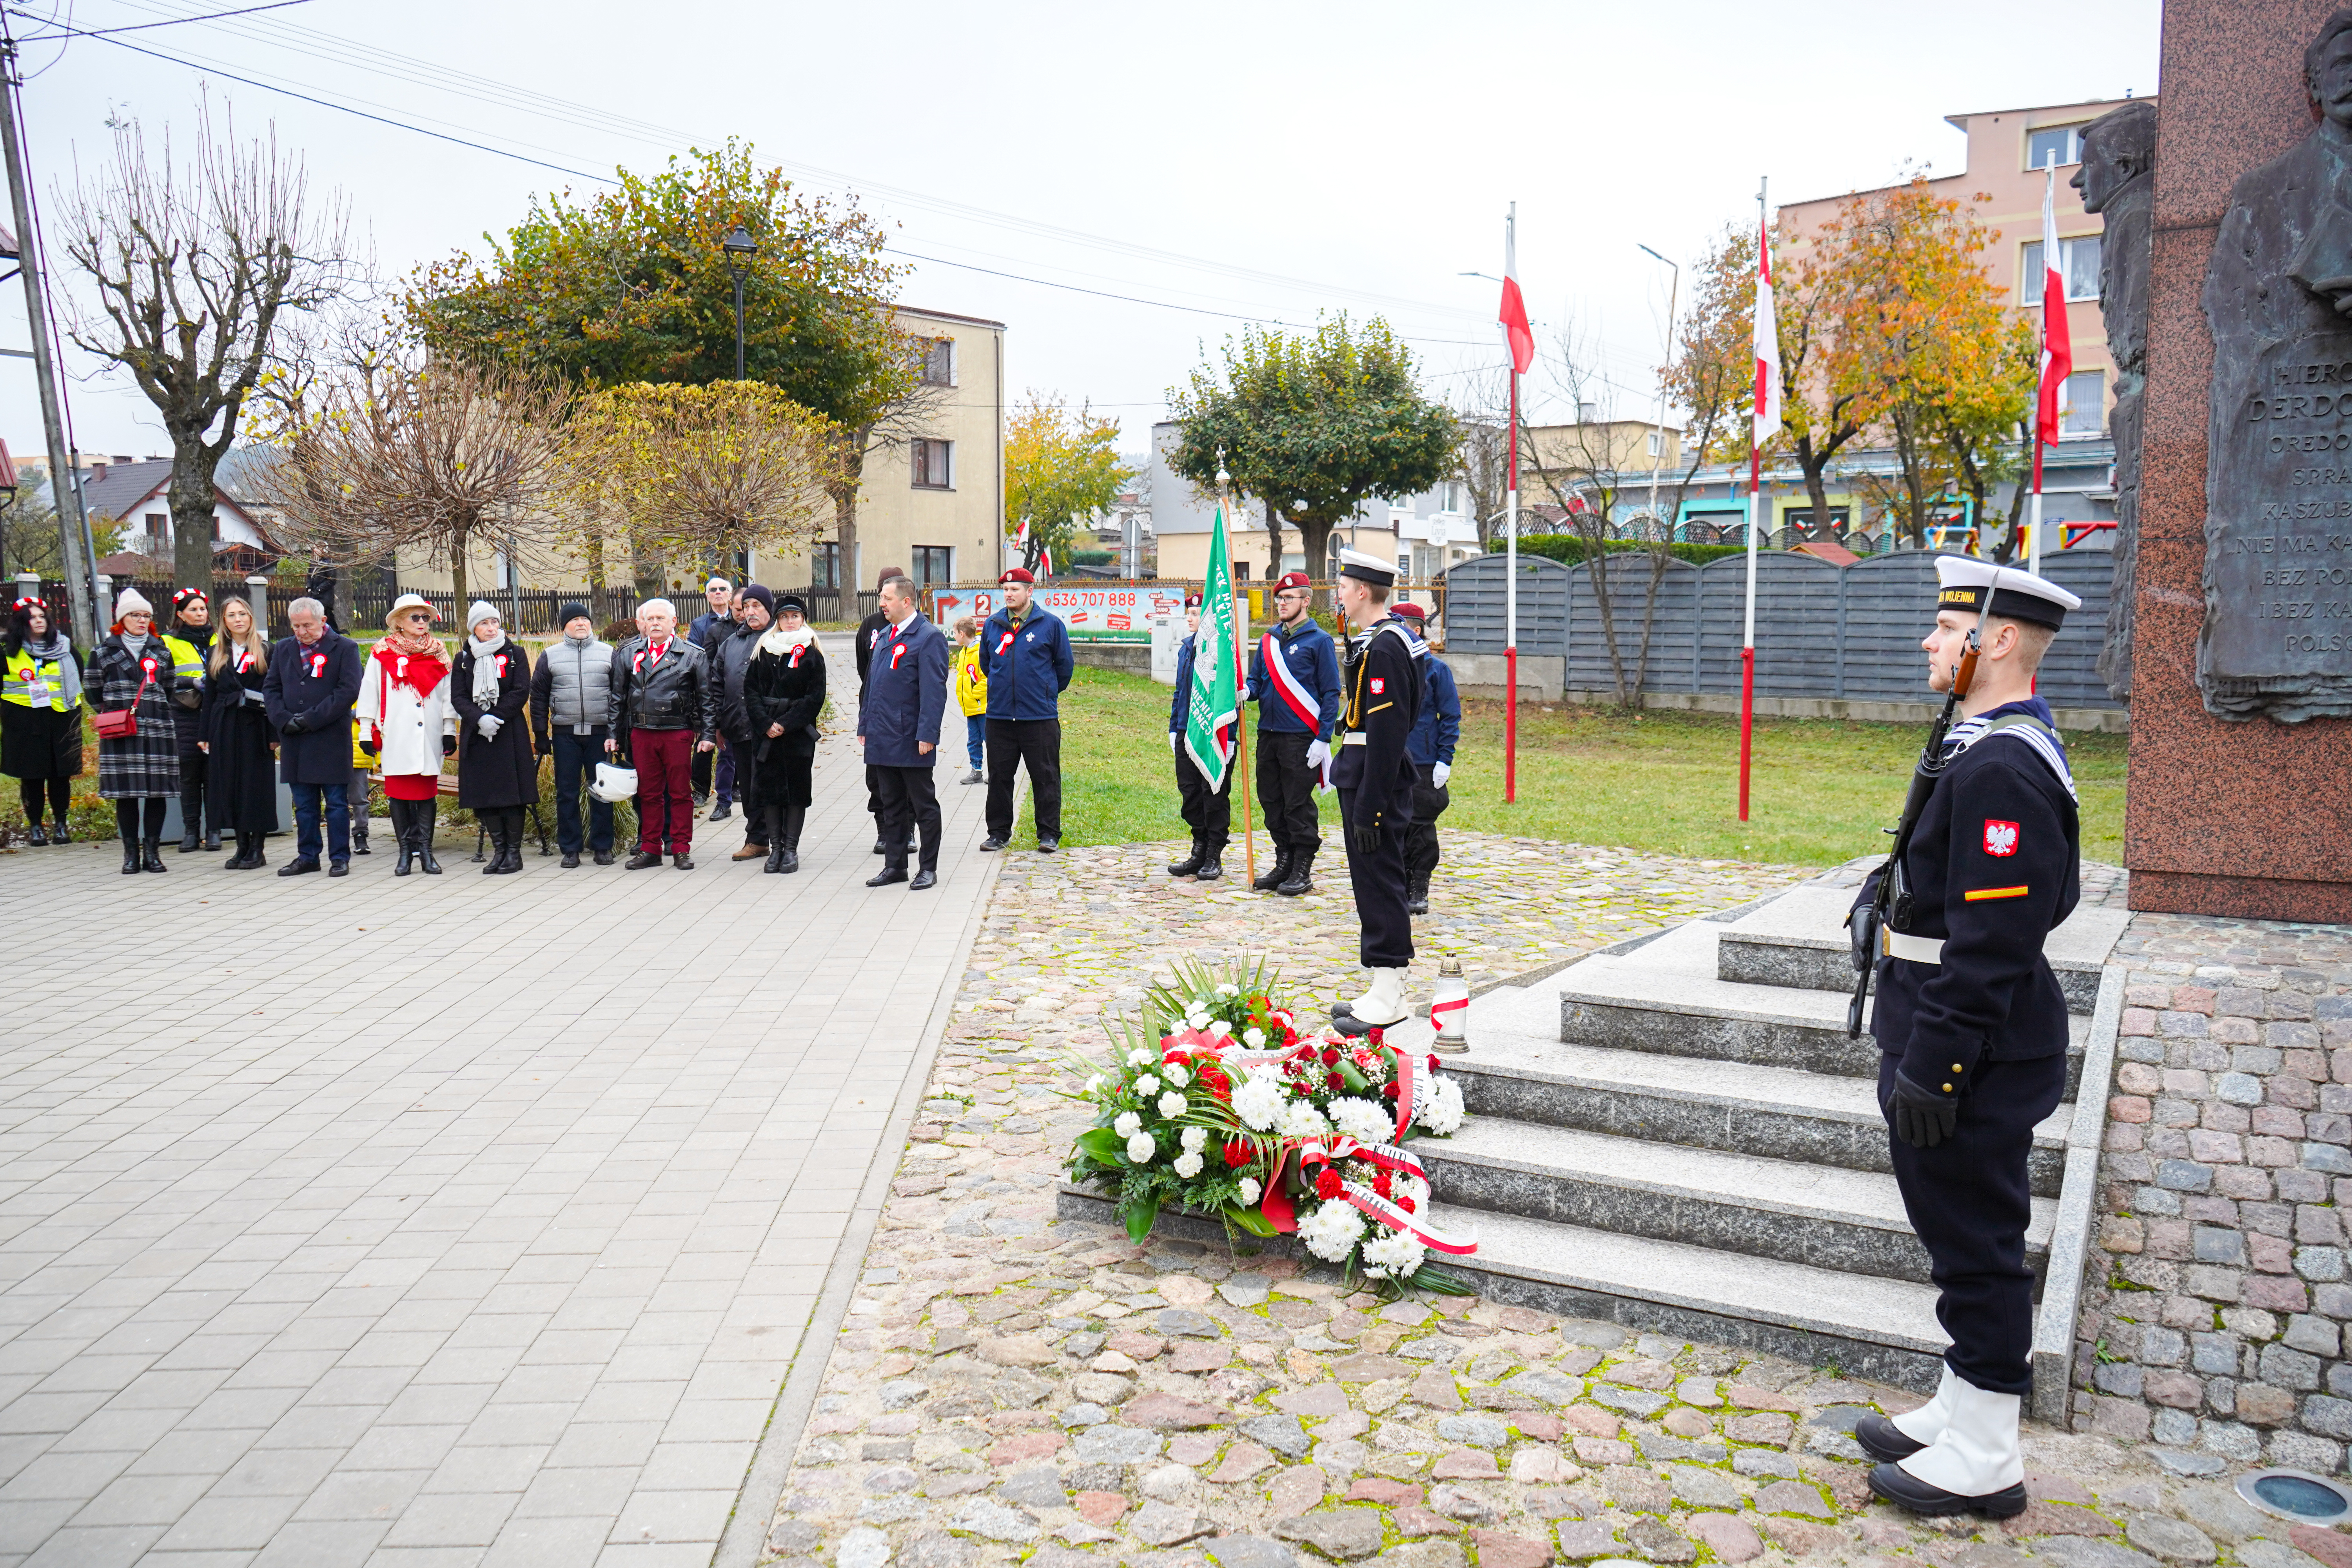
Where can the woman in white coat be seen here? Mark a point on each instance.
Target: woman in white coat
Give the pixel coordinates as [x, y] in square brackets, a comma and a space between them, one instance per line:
[407, 725]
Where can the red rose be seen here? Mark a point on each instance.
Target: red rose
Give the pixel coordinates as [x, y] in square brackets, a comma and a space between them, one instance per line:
[1334, 1082]
[1405, 1203]
[1382, 1184]
[1238, 1154]
[1390, 1089]
[1328, 1183]
[1377, 1033]
[1330, 1056]
[1433, 1064]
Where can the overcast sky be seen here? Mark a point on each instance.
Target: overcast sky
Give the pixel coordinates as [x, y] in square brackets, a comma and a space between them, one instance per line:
[1263, 160]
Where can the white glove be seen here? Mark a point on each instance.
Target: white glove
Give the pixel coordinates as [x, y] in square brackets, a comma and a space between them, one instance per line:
[1317, 752]
[1171, 739]
[488, 725]
[1439, 772]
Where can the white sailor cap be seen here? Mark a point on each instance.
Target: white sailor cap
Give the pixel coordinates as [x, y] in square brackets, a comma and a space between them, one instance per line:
[1964, 582]
[1367, 568]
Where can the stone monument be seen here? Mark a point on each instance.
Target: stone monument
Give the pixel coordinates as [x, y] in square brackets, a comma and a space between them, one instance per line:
[2241, 776]
[2118, 154]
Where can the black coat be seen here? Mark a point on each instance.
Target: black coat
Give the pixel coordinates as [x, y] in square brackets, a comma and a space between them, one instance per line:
[791, 692]
[492, 775]
[310, 691]
[187, 712]
[242, 789]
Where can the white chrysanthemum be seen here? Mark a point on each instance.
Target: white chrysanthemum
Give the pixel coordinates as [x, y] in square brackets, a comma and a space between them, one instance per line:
[1147, 1086]
[1171, 1104]
[1195, 1140]
[1175, 1074]
[1188, 1165]
[1220, 1028]
[1228, 990]
[1300, 1120]
[1128, 1125]
[1258, 1101]
[1331, 1232]
[1394, 1254]
[1253, 1036]
[1139, 1059]
[1438, 1109]
[1363, 1119]
[1095, 1084]
[1141, 1148]
[1249, 1190]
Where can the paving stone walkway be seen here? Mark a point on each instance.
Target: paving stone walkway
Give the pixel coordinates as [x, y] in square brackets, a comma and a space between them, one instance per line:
[1011, 1386]
[439, 1220]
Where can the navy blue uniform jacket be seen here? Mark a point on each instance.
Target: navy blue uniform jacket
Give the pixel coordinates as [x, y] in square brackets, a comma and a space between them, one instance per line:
[308, 694]
[905, 696]
[1382, 706]
[1993, 865]
[1027, 671]
[1313, 659]
[1439, 727]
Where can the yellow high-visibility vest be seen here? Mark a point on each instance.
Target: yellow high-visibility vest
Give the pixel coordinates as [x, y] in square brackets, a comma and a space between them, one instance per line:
[26, 682]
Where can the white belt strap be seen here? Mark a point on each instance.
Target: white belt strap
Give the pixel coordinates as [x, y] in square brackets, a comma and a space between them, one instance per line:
[1355, 738]
[1915, 949]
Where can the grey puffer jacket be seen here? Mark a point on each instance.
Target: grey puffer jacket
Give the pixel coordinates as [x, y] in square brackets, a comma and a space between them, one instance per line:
[675, 693]
[572, 690]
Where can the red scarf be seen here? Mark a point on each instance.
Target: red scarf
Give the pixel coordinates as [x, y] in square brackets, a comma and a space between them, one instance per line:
[420, 672]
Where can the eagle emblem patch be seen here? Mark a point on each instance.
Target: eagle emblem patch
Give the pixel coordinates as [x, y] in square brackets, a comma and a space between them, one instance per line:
[2001, 838]
[1379, 686]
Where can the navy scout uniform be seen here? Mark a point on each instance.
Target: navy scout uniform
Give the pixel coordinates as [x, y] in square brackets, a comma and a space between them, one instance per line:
[1209, 813]
[1295, 680]
[1970, 1022]
[1374, 773]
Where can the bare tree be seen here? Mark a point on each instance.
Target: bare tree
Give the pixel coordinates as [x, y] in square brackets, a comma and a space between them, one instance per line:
[196, 266]
[437, 458]
[1482, 412]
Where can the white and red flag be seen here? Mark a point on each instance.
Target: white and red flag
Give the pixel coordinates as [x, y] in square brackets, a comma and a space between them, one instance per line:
[1514, 314]
[2057, 340]
[1767, 342]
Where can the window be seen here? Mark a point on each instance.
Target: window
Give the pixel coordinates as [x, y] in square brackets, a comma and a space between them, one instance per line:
[934, 463]
[2084, 414]
[1240, 571]
[2060, 144]
[825, 565]
[939, 363]
[934, 565]
[158, 532]
[216, 537]
[2078, 262]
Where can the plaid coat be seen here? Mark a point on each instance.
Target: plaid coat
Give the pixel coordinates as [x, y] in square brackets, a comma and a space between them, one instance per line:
[147, 763]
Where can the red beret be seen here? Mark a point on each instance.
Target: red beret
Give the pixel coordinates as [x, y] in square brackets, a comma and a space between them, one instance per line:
[1293, 580]
[1193, 600]
[1018, 575]
[1410, 611]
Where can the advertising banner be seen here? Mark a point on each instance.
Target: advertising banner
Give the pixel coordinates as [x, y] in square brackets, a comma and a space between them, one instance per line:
[1096, 614]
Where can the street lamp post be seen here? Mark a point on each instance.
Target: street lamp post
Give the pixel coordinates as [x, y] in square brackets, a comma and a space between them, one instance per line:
[741, 247]
[1674, 297]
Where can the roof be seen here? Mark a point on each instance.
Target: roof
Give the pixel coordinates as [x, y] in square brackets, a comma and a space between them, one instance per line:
[124, 486]
[1960, 122]
[949, 316]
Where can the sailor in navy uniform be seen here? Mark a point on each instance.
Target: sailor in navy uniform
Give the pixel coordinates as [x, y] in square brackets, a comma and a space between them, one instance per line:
[1972, 1031]
[1380, 692]
[1295, 680]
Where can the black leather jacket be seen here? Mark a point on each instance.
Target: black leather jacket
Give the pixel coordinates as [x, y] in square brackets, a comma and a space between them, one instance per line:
[678, 693]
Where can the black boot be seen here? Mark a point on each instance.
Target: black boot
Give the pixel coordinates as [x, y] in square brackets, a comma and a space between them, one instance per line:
[795, 816]
[153, 858]
[212, 840]
[1277, 874]
[250, 847]
[1302, 876]
[1416, 895]
[427, 810]
[404, 833]
[191, 824]
[1189, 864]
[37, 835]
[1213, 863]
[129, 851]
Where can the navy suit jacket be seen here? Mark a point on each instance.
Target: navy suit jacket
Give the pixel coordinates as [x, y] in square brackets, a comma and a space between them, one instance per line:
[308, 694]
[905, 696]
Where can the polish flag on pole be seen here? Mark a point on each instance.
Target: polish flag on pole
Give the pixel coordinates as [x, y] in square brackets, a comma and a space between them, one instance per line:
[2057, 348]
[1765, 425]
[1514, 314]
[1521, 340]
[1767, 342]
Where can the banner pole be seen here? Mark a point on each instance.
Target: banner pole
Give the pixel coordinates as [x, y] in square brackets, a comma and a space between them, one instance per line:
[1241, 729]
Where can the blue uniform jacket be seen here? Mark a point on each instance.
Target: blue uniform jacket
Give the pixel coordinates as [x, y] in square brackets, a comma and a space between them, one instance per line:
[905, 696]
[1027, 672]
[1311, 657]
[1180, 706]
[1438, 727]
[1993, 865]
[308, 694]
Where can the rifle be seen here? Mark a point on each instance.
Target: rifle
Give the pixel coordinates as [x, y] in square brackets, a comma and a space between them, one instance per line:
[1892, 905]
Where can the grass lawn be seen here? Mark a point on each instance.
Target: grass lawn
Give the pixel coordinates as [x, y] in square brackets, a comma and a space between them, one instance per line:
[1668, 782]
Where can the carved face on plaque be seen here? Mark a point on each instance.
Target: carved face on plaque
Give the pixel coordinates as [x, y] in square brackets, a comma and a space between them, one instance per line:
[2117, 148]
[2327, 70]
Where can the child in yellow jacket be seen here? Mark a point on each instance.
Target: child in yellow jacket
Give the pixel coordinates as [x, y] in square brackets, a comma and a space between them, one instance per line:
[970, 678]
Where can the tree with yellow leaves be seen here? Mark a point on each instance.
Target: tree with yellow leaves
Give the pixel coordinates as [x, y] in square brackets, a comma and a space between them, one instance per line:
[1058, 468]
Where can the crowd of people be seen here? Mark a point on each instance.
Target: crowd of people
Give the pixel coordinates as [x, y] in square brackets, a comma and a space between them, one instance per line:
[722, 715]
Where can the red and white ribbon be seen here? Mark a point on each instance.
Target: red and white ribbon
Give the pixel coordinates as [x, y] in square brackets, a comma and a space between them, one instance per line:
[1389, 1158]
[1294, 692]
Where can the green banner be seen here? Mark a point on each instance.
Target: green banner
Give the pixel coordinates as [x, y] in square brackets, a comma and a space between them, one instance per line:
[1215, 705]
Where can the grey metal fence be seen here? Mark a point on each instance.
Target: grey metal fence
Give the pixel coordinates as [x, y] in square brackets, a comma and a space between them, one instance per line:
[1821, 630]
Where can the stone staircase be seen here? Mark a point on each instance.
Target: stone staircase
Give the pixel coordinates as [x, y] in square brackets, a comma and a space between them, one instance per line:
[1680, 1137]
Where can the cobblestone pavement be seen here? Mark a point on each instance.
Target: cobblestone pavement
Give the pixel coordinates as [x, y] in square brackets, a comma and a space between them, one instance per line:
[1012, 1386]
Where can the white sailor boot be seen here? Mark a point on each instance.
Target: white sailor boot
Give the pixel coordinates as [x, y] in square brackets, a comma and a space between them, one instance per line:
[1893, 1438]
[1974, 1467]
[1382, 1006]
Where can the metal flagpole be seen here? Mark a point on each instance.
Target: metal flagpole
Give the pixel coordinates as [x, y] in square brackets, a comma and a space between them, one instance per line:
[1748, 621]
[1511, 552]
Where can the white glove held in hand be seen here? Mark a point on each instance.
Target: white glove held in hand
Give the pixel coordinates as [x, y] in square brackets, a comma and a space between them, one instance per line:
[1171, 739]
[1439, 772]
[1317, 752]
[488, 725]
